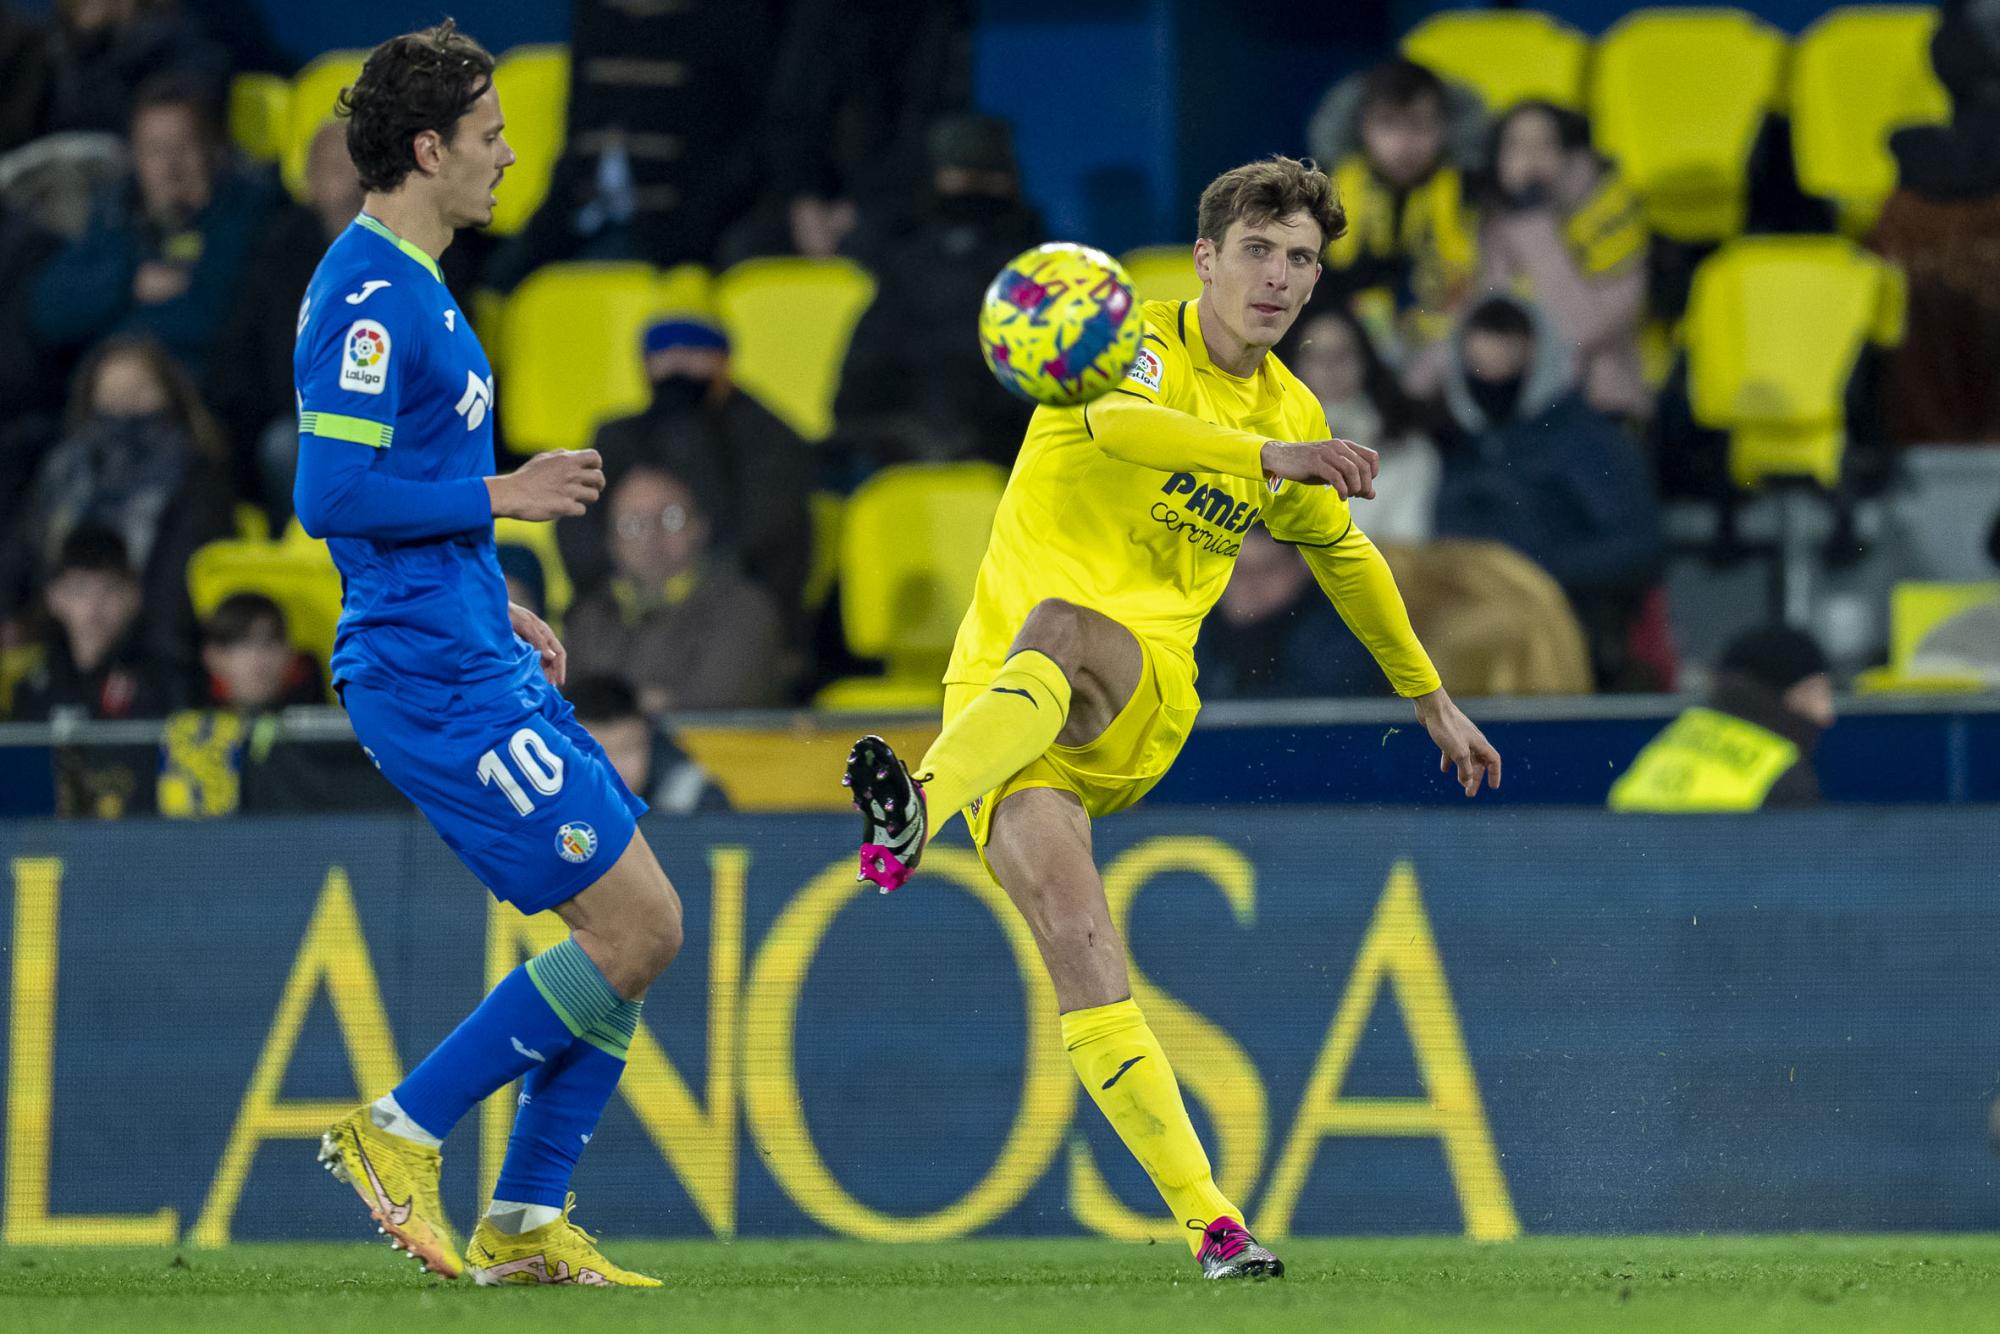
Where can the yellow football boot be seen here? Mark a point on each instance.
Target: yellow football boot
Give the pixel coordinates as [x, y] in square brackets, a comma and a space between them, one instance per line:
[557, 1252]
[397, 1179]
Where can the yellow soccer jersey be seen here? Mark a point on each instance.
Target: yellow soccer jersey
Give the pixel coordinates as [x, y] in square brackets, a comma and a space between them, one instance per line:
[1107, 521]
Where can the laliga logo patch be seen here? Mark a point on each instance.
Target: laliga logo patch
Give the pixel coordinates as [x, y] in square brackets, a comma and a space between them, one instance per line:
[364, 363]
[1146, 368]
[576, 842]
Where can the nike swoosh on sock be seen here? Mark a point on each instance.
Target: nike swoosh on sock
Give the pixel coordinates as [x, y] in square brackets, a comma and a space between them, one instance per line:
[1123, 1068]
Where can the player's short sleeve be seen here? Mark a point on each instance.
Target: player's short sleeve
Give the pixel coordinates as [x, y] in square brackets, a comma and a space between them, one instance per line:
[1299, 513]
[351, 361]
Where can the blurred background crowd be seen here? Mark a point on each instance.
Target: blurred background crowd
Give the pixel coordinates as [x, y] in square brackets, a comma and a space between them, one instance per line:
[1665, 332]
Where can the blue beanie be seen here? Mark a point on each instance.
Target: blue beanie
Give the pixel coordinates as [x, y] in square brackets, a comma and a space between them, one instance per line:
[683, 331]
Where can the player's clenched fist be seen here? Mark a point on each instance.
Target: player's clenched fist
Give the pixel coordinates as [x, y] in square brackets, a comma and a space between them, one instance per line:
[1341, 464]
[559, 484]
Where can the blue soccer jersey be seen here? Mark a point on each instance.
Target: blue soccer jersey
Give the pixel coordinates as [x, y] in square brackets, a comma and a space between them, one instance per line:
[385, 361]
[395, 440]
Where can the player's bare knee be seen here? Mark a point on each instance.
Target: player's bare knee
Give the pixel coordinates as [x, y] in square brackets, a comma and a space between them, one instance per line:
[1054, 628]
[658, 940]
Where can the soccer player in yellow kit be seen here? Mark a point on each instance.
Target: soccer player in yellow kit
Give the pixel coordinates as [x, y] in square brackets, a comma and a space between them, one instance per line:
[1072, 685]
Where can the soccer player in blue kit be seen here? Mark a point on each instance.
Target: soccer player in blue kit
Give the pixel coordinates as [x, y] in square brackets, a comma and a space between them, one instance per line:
[452, 690]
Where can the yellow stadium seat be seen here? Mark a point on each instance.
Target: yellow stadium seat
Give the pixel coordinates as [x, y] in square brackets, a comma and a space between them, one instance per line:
[1676, 98]
[1506, 56]
[1857, 75]
[540, 539]
[259, 107]
[1916, 607]
[1774, 325]
[571, 359]
[298, 575]
[1162, 272]
[685, 290]
[533, 84]
[789, 321]
[902, 601]
[310, 106]
[252, 524]
[828, 510]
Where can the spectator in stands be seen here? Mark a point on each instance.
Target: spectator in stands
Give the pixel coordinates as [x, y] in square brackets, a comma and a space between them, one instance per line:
[247, 653]
[142, 457]
[853, 87]
[1561, 230]
[107, 50]
[1942, 227]
[1751, 745]
[676, 621]
[1274, 635]
[644, 752]
[28, 78]
[1529, 463]
[30, 389]
[914, 386]
[1407, 258]
[94, 664]
[753, 472]
[1330, 351]
[250, 380]
[162, 253]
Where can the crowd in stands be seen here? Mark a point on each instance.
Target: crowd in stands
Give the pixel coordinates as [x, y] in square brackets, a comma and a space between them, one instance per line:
[1489, 322]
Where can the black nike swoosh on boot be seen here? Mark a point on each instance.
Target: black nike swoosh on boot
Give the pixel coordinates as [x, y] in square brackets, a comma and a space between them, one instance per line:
[1123, 1068]
[1015, 690]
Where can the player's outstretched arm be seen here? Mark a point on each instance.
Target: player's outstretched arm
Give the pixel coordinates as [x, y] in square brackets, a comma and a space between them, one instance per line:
[1355, 578]
[340, 493]
[1153, 435]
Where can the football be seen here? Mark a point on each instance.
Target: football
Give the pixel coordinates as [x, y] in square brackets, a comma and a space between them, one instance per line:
[1060, 325]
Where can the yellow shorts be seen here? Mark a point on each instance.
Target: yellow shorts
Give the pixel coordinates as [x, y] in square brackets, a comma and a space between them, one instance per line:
[1121, 765]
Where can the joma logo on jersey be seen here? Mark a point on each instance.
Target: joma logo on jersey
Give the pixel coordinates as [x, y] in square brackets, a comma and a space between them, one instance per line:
[475, 402]
[1211, 504]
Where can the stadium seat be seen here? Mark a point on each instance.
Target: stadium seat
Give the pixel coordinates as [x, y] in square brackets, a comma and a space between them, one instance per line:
[310, 106]
[533, 84]
[828, 510]
[1162, 272]
[570, 339]
[1916, 607]
[259, 105]
[789, 321]
[902, 601]
[1505, 56]
[1774, 326]
[540, 539]
[252, 523]
[1857, 75]
[298, 575]
[1676, 98]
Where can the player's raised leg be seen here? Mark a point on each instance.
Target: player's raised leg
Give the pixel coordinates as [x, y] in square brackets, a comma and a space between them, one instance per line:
[1024, 709]
[629, 925]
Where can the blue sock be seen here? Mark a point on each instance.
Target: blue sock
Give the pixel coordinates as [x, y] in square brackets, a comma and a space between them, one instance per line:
[539, 1011]
[561, 1104]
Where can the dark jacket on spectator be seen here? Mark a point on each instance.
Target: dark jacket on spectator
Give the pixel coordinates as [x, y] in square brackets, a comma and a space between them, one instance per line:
[85, 293]
[97, 73]
[1559, 481]
[129, 683]
[250, 373]
[915, 386]
[751, 472]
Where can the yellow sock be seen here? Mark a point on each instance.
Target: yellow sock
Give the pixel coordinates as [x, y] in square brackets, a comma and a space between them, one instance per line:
[1015, 719]
[1120, 1062]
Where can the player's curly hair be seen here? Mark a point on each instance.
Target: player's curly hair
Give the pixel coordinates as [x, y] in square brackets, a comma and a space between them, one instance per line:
[420, 81]
[1273, 187]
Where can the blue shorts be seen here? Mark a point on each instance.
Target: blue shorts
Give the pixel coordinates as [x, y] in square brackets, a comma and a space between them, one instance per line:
[509, 779]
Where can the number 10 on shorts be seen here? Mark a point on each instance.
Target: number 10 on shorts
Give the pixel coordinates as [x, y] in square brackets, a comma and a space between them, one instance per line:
[542, 767]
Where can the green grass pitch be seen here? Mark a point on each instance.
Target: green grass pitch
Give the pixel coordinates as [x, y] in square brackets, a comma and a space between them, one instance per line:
[1543, 1285]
